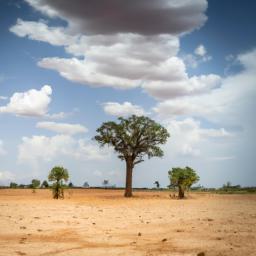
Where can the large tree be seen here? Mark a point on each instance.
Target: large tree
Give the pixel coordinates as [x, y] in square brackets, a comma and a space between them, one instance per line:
[183, 178]
[133, 138]
[58, 174]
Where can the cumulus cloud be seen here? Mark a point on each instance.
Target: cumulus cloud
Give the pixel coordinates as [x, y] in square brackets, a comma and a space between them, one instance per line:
[188, 136]
[2, 150]
[200, 56]
[124, 109]
[112, 16]
[114, 50]
[41, 32]
[3, 98]
[200, 50]
[62, 128]
[231, 103]
[30, 103]
[36, 149]
[187, 86]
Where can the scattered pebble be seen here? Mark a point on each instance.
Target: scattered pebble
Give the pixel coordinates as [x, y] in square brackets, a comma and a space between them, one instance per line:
[139, 234]
[201, 254]
[164, 240]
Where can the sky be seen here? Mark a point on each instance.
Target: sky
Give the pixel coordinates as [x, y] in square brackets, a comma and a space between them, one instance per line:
[67, 66]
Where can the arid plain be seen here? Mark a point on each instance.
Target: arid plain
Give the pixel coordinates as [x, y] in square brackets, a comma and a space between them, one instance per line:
[103, 222]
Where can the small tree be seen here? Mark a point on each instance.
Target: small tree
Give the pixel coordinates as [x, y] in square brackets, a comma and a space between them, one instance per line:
[70, 185]
[133, 139]
[58, 174]
[35, 184]
[157, 184]
[86, 185]
[183, 178]
[105, 183]
[13, 185]
[44, 184]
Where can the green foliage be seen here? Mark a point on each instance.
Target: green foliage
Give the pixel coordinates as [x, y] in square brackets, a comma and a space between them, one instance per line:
[134, 137]
[86, 185]
[70, 185]
[13, 185]
[35, 183]
[157, 184]
[105, 182]
[183, 178]
[45, 184]
[58, 175]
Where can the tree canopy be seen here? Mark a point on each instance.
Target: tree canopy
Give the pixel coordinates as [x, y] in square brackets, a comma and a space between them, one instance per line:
[35, 183]
[183, 178]
[134, 137]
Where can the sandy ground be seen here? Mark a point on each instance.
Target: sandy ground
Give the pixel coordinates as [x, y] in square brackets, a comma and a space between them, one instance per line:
[102, 222]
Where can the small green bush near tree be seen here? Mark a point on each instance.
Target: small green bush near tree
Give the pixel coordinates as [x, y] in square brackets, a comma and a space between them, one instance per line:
[183, 178]
[58, 175]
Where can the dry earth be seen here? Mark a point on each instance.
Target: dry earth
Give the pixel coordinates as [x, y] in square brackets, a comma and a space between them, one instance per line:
[102, 222]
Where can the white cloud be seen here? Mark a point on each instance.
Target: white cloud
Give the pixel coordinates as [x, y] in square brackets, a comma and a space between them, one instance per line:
[57, 116]
[6, 176]
[118, 56]
[231, 103]
[62, 128]
[188, 86]
[125, 109]
[42, 32]
[84, 72]
[200, 50]
[2, 150]
[36, 149]
[3, 98]
[30, 103]
[200, 56]
[188, 137]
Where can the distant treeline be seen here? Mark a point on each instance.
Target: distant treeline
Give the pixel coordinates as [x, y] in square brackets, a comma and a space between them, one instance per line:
[225, 189]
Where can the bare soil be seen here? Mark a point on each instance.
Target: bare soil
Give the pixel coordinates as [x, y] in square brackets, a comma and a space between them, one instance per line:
[103, 222]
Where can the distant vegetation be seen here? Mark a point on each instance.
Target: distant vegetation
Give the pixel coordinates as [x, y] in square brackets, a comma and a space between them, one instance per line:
[35, 184]
[157, 184]
[44, 184]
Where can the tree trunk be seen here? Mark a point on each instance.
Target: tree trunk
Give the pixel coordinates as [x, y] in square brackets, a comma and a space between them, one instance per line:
[181, 192]
[128, 185]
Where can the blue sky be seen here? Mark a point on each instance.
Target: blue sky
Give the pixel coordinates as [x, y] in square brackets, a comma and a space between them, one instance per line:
[190, 65]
